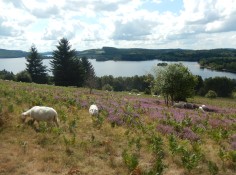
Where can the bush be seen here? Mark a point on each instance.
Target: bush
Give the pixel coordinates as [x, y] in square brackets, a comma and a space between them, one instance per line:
[23, 76]
[211, 94]
[221, 85]
[135, 91]
[5, 75]
[107, 87]
[147, 91]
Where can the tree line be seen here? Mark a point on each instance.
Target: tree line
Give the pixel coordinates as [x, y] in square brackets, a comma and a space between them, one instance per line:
[220, 64]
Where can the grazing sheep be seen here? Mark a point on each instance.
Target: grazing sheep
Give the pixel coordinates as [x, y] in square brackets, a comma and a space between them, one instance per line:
[185, 105]
[201, 108]
[207, 109]
[93, 110]
[204, 108]
[41, 113]
[179, 105]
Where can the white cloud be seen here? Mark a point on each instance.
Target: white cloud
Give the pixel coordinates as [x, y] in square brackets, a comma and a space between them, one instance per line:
[117, 23]
[134, 30]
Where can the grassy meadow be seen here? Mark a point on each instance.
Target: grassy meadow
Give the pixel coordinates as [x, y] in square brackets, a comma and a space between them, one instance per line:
[133, 134]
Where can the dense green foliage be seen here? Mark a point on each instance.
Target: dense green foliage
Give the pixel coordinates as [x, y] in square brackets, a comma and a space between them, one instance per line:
[211, 94]
[175, 82]
[141, 83]
[221, 85]
[23, 76]
[35, 67]
[68, 69]
[6, 75]
[221, 64]
[89, 74]
[62, 62]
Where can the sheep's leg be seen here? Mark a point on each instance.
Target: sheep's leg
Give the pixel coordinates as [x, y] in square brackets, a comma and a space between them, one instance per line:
[35, 125]
[55, 120]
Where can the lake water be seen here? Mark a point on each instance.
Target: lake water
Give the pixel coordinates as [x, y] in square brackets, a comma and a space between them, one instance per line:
[119, 68]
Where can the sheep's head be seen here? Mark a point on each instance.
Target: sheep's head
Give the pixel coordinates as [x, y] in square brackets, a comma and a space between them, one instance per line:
[23, 116]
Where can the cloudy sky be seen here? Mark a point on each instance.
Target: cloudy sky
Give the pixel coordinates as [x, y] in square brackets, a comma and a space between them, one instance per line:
[89, 24]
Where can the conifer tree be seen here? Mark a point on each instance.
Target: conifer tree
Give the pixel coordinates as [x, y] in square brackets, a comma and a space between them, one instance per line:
[35, 67]
[89, 74]
[66, 68]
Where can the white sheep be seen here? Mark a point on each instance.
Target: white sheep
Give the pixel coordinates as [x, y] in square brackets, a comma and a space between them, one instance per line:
[203, 108]
[41, 113]
[93, 110]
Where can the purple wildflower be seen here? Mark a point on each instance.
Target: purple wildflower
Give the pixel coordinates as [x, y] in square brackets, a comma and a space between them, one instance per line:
[233, 145]
[115, 118]
[187, 133]
[166, 129]
[84, 104]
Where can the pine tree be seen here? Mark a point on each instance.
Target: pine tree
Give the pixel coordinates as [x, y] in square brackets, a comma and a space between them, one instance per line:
[35, 67]
[66, 68]
[89, 74]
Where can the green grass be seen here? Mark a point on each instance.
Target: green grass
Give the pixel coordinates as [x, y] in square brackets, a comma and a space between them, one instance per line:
[84, 145]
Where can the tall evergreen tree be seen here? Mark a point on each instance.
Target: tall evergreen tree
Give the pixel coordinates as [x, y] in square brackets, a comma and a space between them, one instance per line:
[66, 68]
[89, 74]
[35, 67]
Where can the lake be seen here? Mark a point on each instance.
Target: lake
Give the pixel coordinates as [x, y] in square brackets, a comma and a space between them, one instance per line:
[119, 68]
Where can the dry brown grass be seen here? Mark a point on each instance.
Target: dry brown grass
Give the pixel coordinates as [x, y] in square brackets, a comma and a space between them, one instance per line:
[25, 151]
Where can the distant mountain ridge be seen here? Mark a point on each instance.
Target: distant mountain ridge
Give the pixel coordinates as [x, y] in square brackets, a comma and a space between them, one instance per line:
[138, 54]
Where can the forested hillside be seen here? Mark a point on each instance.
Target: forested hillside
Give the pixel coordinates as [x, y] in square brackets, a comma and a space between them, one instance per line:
[136, 54]
[221, 64]
[12, 53]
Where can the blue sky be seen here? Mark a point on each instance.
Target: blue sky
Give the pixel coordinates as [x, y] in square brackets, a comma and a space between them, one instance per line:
[162, 6]
[154, 24]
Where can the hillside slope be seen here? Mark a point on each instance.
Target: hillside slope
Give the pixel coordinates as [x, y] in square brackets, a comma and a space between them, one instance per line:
[132, 135]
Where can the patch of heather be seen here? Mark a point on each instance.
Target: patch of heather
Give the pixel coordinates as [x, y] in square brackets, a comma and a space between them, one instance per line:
[84, 104]
[187, 133]
[115, 118]
[201, 126]
[233, 146]
[220, 123]
[156, 114]
[166, 129]
[178, 115]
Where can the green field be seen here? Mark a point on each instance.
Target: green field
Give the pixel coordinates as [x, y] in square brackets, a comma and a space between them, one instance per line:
[132, 134]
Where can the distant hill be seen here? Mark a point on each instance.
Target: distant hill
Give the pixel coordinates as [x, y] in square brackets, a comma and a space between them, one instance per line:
[12, 53]
[19, 53]
[137, 54]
